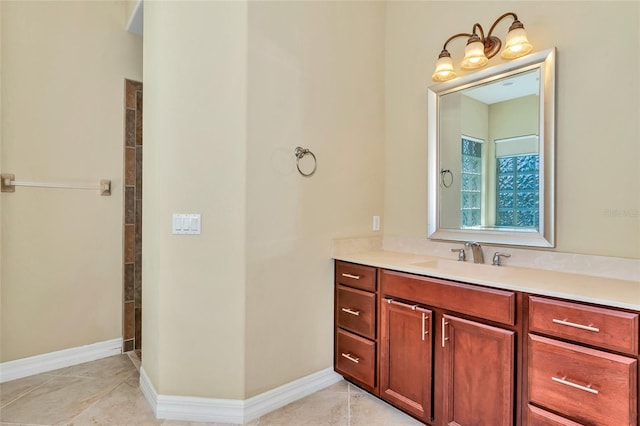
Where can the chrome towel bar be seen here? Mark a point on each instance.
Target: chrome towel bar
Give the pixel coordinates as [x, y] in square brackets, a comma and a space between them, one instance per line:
[9, 184]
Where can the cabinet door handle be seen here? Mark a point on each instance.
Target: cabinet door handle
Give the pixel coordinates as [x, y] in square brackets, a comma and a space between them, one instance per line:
[575, 325]
[564, 381]
[350, 311]
[350, 358]
[425, 331]
[406, 305]
[355, 277]
[444, 328]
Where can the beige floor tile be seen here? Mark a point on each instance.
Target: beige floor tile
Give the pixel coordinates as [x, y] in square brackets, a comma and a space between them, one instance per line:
[124, 405]
[341, 386]
[320, 408]
[117, 366]
[179, 423]
[9, 391]
[106, 392]
[354, 389]
[58, 400]
[367, 410]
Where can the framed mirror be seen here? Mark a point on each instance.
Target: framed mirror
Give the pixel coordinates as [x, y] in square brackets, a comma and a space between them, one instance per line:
[491, 144]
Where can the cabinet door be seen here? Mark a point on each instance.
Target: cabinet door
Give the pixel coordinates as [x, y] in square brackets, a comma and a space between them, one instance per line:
[405, 357]
[479, 370]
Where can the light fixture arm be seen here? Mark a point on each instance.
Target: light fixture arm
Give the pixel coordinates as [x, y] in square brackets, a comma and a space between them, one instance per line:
[479, 27]
[504, 15]
[453, 37]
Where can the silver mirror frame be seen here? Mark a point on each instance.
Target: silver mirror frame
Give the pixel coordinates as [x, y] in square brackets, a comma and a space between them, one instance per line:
[545, 235]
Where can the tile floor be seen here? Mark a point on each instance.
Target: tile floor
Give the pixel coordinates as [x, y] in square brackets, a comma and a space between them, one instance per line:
[106, 392]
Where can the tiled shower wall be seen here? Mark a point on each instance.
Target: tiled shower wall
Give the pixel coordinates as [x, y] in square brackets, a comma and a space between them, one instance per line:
[132, 310]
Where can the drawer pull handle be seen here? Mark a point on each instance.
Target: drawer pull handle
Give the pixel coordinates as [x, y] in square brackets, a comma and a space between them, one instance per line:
[350, 358]
[350, 311]
[355, 277]
[574, 385]
[573, 324]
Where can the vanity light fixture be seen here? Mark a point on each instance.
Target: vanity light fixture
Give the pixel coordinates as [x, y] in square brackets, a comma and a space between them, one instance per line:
[480, 48]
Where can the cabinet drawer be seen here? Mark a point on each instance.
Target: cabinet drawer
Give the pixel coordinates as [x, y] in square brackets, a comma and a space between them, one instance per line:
[481, 302]
[591, 386]
[606, 328]
[358, 276]
[355, 310]
[540, 417]
[355, 357]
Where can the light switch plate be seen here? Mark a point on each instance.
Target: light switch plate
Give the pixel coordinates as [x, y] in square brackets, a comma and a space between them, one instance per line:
[186, 224]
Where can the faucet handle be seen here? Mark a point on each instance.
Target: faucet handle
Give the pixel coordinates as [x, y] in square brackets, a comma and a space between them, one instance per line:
[497, 256]
[461, 254]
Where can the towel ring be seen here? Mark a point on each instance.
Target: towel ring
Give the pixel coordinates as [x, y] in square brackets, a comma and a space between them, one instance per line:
[443, 181]
[300, 153]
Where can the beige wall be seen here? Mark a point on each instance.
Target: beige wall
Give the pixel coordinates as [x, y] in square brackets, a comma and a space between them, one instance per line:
[316, 78]
[222, 320]
[195, 157]
[62, 121]
[515, 117]
[597, 168]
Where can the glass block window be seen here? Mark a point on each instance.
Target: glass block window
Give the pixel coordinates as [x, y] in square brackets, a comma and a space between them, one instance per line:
[517, 191]
[471, 183]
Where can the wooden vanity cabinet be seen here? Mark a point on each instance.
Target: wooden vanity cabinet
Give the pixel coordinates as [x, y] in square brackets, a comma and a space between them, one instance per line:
[462, 371]
[355, 347]
[456, 354]
[582, 364]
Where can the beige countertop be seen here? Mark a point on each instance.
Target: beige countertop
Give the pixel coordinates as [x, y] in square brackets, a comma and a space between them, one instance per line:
[585, 288]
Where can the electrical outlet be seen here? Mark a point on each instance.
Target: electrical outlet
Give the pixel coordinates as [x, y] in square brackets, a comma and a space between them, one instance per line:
[376, 223]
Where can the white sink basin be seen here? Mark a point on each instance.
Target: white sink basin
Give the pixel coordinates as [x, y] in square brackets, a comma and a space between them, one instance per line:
[466, 269]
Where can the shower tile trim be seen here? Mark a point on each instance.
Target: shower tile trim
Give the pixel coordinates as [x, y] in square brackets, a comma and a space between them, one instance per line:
[132, 251]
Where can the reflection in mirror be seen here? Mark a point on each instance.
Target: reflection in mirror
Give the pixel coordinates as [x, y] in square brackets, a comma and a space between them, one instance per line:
[491, 154]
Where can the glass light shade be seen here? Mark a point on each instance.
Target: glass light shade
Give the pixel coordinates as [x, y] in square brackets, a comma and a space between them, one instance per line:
[516, 44]
[444, 69]
[474, 56]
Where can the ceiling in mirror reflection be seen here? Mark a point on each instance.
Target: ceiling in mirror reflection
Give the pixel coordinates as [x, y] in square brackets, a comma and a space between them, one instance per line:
[516, 86]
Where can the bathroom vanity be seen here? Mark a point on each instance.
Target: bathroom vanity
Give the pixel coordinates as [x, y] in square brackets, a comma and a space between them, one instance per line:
[452, 343]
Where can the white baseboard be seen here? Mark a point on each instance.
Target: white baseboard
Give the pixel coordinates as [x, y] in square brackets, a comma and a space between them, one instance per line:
[266, 402]
[231, 410]
[24, 367]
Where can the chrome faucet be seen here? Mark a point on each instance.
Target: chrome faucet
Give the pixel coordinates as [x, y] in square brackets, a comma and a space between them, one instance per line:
[497, 256]
[461, 255]
[476, 249]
